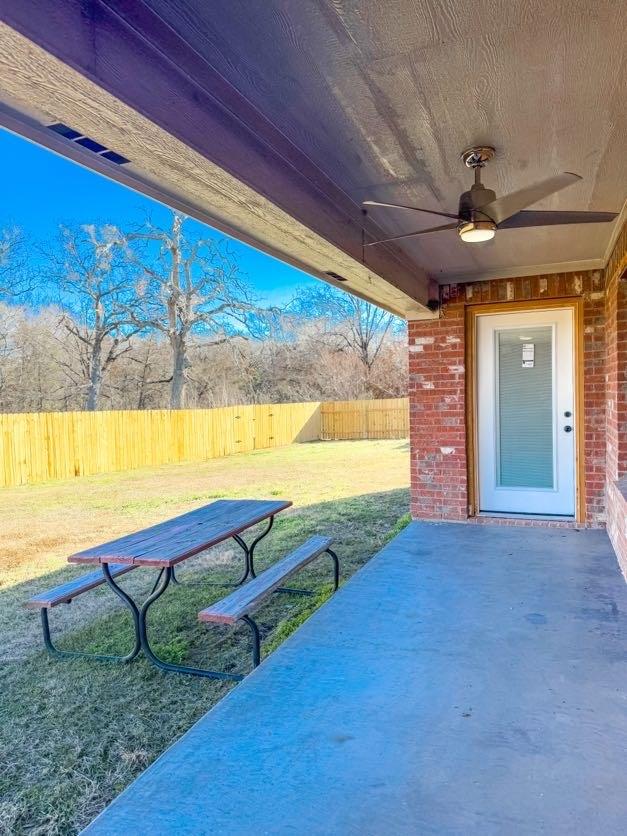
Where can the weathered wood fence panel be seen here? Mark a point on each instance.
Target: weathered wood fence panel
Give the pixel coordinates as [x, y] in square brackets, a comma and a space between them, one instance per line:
[39, 447]
[365, 419]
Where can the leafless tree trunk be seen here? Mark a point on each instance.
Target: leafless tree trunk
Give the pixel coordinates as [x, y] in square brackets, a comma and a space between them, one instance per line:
[191, 286]
[97, 295]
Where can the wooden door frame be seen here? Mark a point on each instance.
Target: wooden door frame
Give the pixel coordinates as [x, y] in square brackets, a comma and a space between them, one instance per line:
[574, 303]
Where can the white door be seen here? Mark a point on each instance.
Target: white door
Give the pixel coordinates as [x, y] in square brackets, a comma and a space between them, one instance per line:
[526, 421]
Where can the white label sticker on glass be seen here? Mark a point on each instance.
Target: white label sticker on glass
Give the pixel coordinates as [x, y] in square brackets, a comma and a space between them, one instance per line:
[528, 353]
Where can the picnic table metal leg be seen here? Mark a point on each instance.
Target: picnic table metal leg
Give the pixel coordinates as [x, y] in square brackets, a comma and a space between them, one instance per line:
[250, 550]
[156, 583]
[152, 656]
[81, 654]
[256, 639]
[102, 657]
[242, 544]
[336, 569]
[249, 566]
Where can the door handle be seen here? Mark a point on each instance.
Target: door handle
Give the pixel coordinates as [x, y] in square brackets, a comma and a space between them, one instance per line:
[568, 428]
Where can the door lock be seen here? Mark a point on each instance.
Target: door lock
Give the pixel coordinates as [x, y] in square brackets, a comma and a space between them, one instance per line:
[567, 414]
[568, 428]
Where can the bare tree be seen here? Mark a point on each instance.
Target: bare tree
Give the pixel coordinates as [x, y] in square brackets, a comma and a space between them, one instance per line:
[12, 261]
[190, 286]
[348, 323]
[40, 368]
[143, 388]
[96, 293]
[13, 283]
[30, 376]
[161, 317]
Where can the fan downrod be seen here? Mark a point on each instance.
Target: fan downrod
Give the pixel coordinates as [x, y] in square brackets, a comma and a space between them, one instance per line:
[477, 155]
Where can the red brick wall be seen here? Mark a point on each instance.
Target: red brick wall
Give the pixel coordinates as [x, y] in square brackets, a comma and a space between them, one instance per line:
[616, 395]
[437, 423]
[617, 520]
[437, 390]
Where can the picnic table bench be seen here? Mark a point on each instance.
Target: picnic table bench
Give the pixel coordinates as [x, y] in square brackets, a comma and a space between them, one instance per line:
[241, 604]
[164, 546]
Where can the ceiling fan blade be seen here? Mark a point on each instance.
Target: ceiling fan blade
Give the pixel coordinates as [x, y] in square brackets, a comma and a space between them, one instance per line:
[413, 208]
[532, 218]
[502, 208]
[411, 234]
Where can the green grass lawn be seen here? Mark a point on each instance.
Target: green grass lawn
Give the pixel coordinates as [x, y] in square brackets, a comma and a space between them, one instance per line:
[73, 734]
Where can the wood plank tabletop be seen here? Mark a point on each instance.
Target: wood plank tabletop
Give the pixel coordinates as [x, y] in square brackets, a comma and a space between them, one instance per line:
[171, 541]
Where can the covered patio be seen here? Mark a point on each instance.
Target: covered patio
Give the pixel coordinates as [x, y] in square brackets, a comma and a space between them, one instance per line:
[470, 679]
[339, 137]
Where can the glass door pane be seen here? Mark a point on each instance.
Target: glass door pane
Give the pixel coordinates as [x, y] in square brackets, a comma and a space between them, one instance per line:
[524, 406]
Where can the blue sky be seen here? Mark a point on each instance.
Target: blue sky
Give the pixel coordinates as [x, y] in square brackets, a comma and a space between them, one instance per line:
[41, 190]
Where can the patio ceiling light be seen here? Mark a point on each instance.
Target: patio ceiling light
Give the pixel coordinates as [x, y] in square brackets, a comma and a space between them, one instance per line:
[475, 231]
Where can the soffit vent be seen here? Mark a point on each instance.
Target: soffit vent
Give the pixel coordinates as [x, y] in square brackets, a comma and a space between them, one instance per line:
[88, 143]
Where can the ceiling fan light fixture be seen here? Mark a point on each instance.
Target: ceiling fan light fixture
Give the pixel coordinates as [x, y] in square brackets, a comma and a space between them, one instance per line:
[472, 232]
[480, 213]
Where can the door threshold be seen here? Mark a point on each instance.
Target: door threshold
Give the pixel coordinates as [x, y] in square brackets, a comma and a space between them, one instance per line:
[502, 515]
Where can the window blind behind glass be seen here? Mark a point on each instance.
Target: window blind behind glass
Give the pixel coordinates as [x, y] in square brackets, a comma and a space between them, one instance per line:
[525, 409]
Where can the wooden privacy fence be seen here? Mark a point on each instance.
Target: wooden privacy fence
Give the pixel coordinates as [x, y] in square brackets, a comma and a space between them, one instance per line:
[38, 447]
[365, 419]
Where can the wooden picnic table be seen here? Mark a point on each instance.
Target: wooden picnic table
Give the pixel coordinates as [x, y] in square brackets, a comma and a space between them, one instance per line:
[166, 544]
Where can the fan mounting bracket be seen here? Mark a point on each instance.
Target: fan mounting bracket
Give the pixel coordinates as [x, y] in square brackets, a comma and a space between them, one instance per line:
[477, 155]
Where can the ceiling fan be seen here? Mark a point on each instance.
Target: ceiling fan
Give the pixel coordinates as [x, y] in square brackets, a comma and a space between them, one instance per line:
[481, 213]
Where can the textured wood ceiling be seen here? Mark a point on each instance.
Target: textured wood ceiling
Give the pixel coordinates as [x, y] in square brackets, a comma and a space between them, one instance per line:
[383, 95]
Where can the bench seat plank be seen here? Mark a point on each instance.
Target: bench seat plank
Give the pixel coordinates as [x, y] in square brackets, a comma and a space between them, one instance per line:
[246, 599]
[174, 540]
[65, 592]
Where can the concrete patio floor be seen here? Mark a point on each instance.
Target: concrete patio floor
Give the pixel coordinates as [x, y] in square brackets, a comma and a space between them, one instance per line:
[468, 680]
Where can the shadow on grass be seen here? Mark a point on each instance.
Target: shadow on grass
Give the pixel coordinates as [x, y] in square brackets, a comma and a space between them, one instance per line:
[75, 733]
